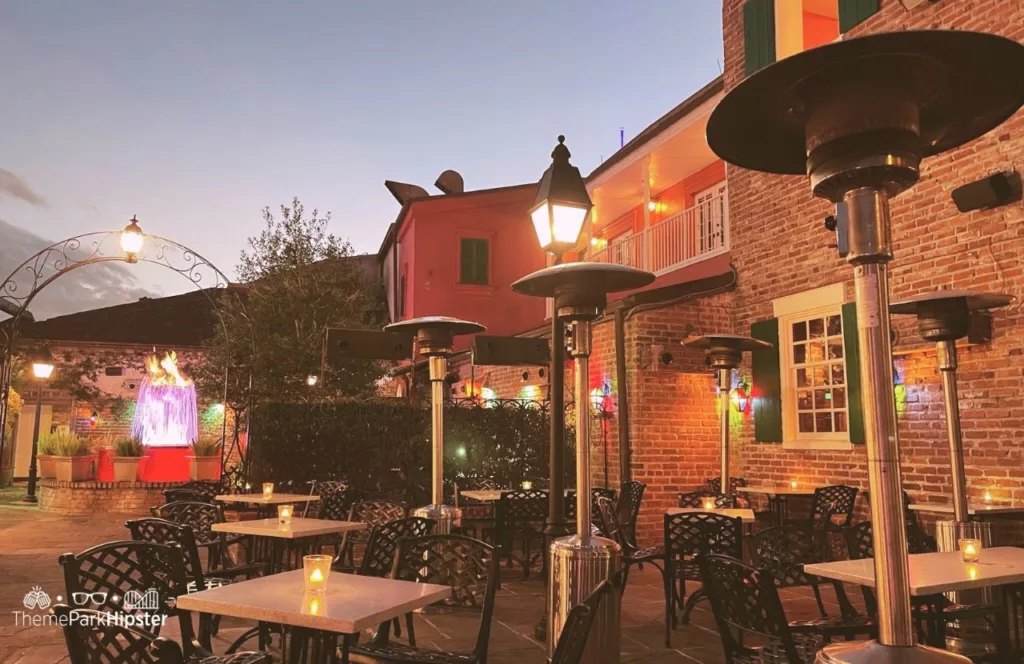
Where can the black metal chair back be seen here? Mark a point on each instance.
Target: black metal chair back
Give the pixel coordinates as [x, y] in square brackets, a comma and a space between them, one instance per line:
[325, 489]
[715, 484]
[162, 531]
[782, 551]
[630, 498]
[696, 499]
[612, 527]
[201, 491]
[140, 579]
[596, 493]
[468, 566]
[572, 641]
[694, 534]
[200, 517]
[745, 599]
[839, 499]
[519, 508]
[379, 559]
[335, 505]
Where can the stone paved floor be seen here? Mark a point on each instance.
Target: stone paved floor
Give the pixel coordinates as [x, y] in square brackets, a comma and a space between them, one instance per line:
[31, 541]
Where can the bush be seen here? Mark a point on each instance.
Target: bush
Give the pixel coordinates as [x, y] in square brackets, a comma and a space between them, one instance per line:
[382, 446]
[128, 447]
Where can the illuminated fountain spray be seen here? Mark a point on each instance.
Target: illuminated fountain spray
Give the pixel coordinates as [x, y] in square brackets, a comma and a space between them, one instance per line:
[165, 413]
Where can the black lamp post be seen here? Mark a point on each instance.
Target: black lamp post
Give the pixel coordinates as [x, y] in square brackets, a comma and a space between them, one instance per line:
[42, 369]
[558, 214]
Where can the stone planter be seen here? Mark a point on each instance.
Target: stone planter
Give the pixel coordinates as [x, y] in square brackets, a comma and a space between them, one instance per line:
[47, 466]
[75, 469]
[126, 469]
[204, 468]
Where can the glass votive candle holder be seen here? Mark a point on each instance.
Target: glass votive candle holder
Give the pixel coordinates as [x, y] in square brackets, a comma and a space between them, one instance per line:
[708, 503]
[284, 513]
[527, 485]
[315, 570]
[268, 490]
[970, 549]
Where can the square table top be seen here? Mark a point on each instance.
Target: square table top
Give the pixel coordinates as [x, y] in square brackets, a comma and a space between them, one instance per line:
[974, 509]
[747, 516]
[350, 604]
[786, 490]
[298, 527]
[932, 573]
[490, 495]
[258, 499]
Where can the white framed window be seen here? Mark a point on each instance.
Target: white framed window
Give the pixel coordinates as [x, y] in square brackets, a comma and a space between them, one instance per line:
[813, 371]
[710, 204]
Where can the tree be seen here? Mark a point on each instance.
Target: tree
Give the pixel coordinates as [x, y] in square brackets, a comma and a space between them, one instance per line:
[297, 279]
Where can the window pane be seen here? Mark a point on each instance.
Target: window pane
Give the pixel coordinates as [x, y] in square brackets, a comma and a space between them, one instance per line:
[837, 375]
[802, 378]
[816, 351]
[822, 399]
[799, 354]
[835, 349]
[806, 423]
[839, 398]
[823, 422]
[817, 327]
[820, 376]
[473, 261]
[835, 326]
[840, 420]
[800, 331]
[803, 398]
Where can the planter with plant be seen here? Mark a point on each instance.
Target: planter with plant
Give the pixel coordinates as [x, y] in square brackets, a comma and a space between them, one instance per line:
[205, 459]
[73, 456]
[127, 452]
[46, 466]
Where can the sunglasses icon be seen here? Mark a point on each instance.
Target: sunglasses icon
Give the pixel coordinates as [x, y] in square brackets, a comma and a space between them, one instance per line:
[84, 598]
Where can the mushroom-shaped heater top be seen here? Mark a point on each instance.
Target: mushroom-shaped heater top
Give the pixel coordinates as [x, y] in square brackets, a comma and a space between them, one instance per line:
[434, 333]
[580, 289]
[725, 350]
[946, 315]
[912, 94]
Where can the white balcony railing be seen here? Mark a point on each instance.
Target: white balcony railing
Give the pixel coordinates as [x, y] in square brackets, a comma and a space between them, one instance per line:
[692, 235]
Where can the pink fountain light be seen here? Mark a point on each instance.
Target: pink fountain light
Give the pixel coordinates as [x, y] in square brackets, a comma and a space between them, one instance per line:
[165, 413]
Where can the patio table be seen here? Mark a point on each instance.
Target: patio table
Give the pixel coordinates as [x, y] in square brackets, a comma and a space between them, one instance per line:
[265, 503]
[350, 604]
[278, 533]
[490, 495]
[745, 515]
[978, 511]
[778, 498]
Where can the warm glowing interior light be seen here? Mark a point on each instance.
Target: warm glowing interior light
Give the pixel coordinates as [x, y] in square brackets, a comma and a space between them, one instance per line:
[792, 484]
[652, 205]
[568, 222]
[132, 239]
[42, 370]
[541, 224]
[527, 485]
[312, 380]
[988, 496]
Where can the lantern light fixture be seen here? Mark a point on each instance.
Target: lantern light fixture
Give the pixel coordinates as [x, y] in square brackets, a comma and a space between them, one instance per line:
[561, 205]
[42, 364]
[131, 241]
[312, 380]
[740, 399]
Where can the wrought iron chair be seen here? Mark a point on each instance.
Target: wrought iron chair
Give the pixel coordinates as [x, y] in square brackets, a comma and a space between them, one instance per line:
[715, 484]
[470, 567]
[631, 555]
[572, 642]
[93, 639]
[828, 502]
[596, 493]
[476, 514]
[931, 612]
[161, 531]
[746, 601]
[324, 489]
[630, 497]
[200, 517]
[688, 536]
[696, 499]
[372, 513]
[917, 538]
[520, 515]
[200, 491]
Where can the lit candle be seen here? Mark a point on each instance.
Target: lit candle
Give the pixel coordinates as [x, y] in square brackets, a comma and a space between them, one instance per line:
[284, 513]
[970, 549]
[527, 485]
[792, 484]
[708, 503]
[317, 568]
[268, 490]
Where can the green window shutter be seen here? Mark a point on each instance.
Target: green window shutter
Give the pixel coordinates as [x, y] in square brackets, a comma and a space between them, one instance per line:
[758, 34]
[851, 348]
[854, 12]
[474, 259]
[767, 386]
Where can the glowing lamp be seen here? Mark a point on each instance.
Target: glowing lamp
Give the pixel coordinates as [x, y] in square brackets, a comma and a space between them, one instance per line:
[131, 241]
[561, 205]
[739, 398]
[988, 497]
[42, 364]
[312, 380]
[284, 513]
[652, 205]
[527, 485]
[268, 490]
[792, 484]
[970, 550]
[316, 569]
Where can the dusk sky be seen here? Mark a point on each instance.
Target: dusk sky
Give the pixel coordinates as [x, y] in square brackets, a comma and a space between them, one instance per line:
[195, 114]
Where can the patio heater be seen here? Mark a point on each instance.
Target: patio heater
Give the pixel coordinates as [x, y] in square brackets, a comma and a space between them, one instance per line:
[578, 563]
[434, 337]
[857, 117]
[725, 353]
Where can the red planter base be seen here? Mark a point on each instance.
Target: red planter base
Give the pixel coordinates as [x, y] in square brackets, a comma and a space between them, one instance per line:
[165, 464]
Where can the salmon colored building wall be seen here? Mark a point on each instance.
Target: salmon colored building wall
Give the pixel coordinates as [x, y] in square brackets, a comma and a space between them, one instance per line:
[429, 242]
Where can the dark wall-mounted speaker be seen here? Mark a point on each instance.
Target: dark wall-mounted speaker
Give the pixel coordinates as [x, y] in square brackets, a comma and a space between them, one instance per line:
[510, 351]
[366, 345]
[995, 190]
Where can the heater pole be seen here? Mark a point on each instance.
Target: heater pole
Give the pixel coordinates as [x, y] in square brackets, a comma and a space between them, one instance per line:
[438, 371]
[724, 383]
[947, 368]
[581, 337]
[870, 251]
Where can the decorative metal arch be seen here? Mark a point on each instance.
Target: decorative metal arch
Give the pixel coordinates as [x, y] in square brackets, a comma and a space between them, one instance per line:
[60, 258]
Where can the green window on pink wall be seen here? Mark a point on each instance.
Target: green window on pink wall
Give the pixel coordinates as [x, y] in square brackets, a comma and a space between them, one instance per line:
[474, 261]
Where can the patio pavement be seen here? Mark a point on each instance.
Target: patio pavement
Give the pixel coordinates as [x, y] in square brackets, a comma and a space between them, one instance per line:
[30, 542]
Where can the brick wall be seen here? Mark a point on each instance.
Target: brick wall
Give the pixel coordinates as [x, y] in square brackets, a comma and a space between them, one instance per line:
[75, 498]
[778, 246]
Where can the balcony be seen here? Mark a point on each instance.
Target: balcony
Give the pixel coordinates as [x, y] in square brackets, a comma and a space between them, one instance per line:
[693, 235]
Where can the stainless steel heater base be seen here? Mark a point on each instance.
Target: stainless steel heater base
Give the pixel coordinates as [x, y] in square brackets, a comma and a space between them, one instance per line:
[873, 652]
[574, 570]
[445, 517]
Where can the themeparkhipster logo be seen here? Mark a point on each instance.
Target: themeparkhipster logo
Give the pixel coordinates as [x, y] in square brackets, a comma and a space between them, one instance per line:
[138, 609]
